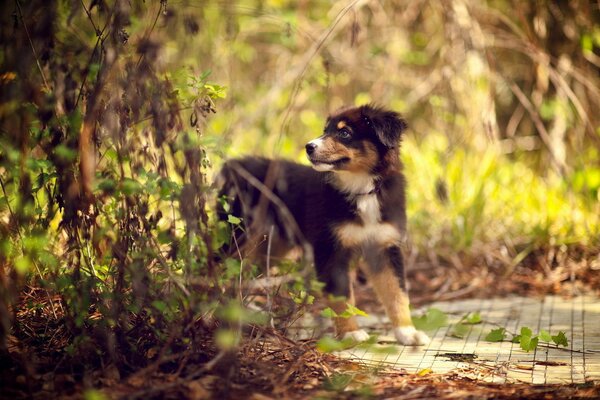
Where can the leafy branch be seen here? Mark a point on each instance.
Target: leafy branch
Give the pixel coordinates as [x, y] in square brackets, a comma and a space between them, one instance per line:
[527, 341]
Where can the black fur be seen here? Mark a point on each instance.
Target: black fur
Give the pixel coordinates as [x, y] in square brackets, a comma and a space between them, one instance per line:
[318, 202]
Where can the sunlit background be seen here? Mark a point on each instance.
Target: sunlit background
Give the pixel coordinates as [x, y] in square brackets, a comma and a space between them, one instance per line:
[500, 98]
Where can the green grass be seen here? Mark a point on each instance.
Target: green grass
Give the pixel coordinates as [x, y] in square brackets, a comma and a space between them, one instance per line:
[492, 199]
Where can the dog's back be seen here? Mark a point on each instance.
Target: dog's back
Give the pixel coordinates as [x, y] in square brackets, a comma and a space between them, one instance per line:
[295, 202]
[349, 204]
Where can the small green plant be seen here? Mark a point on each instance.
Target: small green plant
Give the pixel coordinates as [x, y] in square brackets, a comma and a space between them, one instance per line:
[432, 319]
[302, 297]
[347, 313]
[328, 344]
[435, 319]
[527, 341]
[461, 329]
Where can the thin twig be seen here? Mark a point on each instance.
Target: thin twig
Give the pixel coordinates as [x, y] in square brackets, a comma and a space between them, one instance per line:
[269, 300]
[163, 4]
[37, 60]
[237, 247]
[537, 121]
[89, 63]
[298, 83]
[98, 33]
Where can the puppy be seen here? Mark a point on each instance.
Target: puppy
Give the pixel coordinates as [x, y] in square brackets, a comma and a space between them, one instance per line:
[350, 206]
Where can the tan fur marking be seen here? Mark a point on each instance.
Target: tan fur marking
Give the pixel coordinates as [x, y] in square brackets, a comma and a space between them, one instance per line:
[331, 150]
[363, 161]
[360, 161]
[352, 234]
[341, 124]
[394, 299]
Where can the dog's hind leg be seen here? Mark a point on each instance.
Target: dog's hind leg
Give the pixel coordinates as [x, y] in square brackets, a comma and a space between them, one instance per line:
[385, 271]
[333, 271]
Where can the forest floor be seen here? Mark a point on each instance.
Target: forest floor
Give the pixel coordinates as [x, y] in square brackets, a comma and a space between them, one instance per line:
[268, 365]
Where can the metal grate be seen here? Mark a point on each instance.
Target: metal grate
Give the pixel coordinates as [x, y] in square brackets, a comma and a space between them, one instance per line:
[501, 362]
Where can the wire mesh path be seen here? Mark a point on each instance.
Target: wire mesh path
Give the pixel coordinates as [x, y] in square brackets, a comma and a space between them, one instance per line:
[499, 362]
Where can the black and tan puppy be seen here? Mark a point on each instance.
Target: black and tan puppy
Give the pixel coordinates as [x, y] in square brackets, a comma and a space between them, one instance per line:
[349, 205]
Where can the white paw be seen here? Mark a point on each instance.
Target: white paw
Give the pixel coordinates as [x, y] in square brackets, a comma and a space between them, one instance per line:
[409, 336]
[357, 336]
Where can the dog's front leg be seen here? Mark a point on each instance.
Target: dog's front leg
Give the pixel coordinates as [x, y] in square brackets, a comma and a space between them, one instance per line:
[385, 271]
[333, 271]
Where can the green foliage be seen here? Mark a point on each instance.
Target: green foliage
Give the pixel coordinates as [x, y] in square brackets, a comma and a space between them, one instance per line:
[328, 313]
[560, 339]
[233, 220]
[545, 336]
[432, 319]
[327, 344]
[490, 197]
[337, 382]
[227, 339]
[496, 335]
[93, 394]
[302, 297]
[347, 313]
[526, 339]
[460, 330]
[472, 318]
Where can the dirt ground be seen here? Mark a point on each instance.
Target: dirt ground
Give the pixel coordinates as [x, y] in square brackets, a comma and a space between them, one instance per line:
[38, 363]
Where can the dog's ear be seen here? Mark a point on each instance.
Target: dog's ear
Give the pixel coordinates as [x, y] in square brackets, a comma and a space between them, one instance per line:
[388, 125]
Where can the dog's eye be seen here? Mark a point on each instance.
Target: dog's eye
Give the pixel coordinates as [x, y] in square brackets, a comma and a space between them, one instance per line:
[344, 134]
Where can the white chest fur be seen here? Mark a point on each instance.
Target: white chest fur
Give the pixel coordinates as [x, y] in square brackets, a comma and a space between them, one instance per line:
[372, 228]
[368, 209]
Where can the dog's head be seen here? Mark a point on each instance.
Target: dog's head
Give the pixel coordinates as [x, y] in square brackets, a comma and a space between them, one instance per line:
[355, 139]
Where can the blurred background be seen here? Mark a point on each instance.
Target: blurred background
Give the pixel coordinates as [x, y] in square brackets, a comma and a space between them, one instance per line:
[500, 97]
[115, 116]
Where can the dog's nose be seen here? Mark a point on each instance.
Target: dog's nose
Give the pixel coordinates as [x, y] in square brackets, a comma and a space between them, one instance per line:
[310, 148]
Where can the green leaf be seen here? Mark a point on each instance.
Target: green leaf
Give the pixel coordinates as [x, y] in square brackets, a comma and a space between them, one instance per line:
[302, 297]
[496, 335]
[160, 305]
[107, 185]
[328, 313]
[328, 344]
[93, 394]
[472, 318]
[226, 339]
[560, 339]
[130, 187]
[64, 153]
[233, 220]
[23, 265]
[525, 331]
[528, 343]
[351, 311]
[587, 43]
[431, 320]
[460, 331]
[545, 336]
